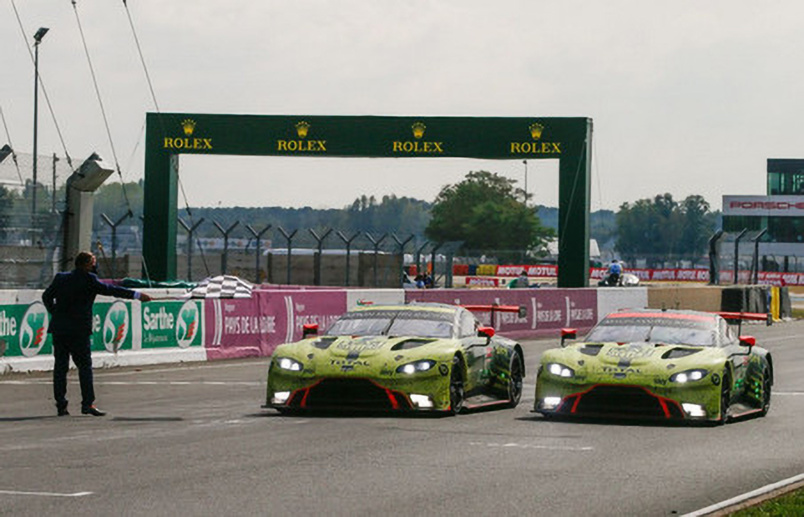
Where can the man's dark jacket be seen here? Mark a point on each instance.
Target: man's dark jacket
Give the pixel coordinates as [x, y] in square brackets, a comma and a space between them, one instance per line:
[69, 300]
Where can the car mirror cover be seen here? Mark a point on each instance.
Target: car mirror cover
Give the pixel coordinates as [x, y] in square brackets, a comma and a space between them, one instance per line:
[485, 332]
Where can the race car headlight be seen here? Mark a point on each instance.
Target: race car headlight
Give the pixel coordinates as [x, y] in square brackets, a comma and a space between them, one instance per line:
[688, 375]
[416, 367]
[694, 410]
[551, 402]
[559, 370]
[280, 397]
[421, 401]
[286, 363]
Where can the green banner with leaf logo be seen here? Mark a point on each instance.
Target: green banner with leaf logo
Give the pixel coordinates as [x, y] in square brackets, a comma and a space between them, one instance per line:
[23, 330]
[171, 324]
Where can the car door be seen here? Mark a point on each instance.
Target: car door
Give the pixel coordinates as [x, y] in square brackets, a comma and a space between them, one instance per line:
[477, 351]
[739, 357]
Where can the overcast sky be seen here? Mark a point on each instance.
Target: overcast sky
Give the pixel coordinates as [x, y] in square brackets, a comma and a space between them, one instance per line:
[687, 97]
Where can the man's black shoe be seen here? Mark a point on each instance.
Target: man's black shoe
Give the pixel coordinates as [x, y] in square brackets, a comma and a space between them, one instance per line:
[92, 410]
[62, 411]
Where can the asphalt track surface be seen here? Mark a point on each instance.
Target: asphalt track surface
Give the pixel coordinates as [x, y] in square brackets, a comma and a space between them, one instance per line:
[192, 440]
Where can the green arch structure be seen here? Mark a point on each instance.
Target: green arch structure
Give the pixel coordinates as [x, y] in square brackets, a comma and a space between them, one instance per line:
[169, 135]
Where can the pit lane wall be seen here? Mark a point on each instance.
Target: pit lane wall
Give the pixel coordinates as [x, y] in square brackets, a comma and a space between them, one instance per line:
[127, 332]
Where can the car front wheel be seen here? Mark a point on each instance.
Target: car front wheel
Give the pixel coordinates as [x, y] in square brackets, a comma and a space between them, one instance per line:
[456, 389]
[515, 380]
[767, 385]
[725, 399]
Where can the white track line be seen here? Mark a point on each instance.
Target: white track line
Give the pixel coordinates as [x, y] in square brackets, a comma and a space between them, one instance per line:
[45, 494]
[746, 496]
[510, 445]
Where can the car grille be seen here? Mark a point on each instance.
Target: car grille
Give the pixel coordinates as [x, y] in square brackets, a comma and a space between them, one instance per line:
[623, 401]
[349, 394]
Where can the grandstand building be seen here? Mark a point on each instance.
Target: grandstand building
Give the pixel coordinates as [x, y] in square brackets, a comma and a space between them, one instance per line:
[780, 213]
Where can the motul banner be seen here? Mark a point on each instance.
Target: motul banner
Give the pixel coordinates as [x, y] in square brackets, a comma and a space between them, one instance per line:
[644, 275]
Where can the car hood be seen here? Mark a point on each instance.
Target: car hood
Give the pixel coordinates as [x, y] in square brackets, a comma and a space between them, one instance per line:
[365, 347]
[640, 357]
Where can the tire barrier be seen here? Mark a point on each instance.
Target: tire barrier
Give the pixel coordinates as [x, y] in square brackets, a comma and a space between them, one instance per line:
[753, 298]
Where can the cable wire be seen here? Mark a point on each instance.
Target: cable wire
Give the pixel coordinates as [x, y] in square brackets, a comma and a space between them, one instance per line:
[156, 103]
[102, 108]
[159, 117]
[44, 90]
[11, 144]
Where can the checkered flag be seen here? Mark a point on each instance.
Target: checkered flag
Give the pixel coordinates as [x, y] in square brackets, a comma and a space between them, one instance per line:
[224, 286]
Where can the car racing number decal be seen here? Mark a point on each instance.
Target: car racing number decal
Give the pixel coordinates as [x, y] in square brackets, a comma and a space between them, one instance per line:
[631, 352]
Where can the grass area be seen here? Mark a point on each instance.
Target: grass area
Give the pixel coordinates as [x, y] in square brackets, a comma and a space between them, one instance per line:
[797, 312]
[788, 505]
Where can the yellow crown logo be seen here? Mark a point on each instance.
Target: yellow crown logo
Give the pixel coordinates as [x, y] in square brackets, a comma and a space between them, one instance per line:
[536, 130]
[418, 130]
[302, 128]
[188, 126]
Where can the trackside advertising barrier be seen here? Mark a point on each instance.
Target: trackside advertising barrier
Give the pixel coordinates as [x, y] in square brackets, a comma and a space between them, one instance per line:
[254, 327]
[548, 310]
[127, 332]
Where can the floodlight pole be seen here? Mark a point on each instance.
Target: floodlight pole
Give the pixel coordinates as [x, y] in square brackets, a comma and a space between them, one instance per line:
[37, 40]
[53, 193]
[526, 180]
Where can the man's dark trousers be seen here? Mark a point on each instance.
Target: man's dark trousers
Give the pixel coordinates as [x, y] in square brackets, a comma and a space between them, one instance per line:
[76, 346]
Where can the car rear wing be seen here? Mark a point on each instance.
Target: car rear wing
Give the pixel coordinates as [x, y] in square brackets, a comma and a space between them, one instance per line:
[739, 317]
[494, 308]
[743, 316]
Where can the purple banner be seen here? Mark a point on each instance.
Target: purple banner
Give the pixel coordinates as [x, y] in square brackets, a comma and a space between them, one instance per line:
[548, 310]
[290, 310]
[253, 327]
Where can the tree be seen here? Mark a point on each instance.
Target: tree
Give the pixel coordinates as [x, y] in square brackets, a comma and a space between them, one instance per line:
[698, 225]
[662, 228]
[485, 211]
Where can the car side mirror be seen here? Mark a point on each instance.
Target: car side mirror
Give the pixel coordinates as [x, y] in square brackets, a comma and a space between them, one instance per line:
[748, 341]
[568, 334]
[309, 329]
[485, 332]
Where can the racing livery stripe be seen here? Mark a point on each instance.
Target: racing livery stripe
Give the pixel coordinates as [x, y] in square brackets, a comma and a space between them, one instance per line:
[661, 315]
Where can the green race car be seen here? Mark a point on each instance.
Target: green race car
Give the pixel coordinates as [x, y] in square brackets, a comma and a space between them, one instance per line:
[418, 357]
[681, 365]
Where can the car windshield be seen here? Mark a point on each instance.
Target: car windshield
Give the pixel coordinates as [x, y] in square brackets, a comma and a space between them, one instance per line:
[393, 323]
[359, 327]
[423, 328]
[680, 331]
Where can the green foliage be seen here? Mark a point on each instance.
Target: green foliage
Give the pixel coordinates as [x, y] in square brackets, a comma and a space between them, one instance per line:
[663, 227]
[110, 199]
[485, 211]
[784, 506]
